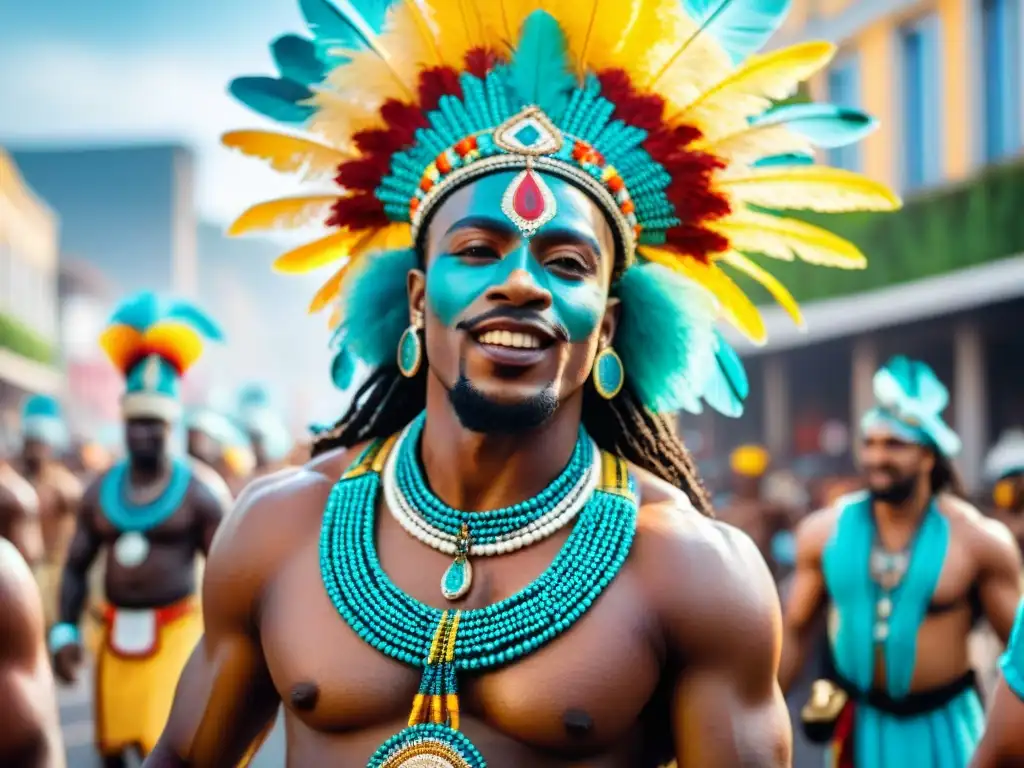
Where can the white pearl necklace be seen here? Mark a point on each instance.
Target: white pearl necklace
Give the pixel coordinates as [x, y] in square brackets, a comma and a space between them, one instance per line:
[564, 512]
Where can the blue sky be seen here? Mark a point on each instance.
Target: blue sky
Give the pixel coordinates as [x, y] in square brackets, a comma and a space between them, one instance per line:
[107, 71]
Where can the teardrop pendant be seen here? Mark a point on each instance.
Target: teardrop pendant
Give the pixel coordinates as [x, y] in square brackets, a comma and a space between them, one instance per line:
[458, 577]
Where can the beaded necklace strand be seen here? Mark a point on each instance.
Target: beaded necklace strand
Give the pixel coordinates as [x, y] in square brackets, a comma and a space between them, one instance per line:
[444, 643]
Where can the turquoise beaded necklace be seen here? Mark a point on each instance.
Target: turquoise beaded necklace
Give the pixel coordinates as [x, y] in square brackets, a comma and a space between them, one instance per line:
[445, 643]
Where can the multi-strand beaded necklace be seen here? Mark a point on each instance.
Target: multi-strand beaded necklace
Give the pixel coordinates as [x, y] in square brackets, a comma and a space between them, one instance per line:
[446, 642]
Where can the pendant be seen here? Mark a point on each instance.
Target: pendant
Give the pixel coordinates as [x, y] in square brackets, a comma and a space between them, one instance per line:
[458, 577]
[429, 745]
[131, 549]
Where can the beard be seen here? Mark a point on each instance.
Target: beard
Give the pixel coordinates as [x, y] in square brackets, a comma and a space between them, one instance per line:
[897, 492]
[478, 413]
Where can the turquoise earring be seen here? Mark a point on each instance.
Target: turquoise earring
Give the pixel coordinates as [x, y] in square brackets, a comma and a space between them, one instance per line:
[410, 348]
[608, 373]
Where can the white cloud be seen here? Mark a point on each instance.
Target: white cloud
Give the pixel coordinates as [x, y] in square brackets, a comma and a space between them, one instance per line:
[58, 92]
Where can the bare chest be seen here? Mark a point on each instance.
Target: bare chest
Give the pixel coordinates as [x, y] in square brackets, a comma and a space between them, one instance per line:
[584, 692]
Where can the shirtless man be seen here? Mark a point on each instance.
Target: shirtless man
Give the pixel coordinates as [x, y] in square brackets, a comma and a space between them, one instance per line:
[212, 439]
[1004, 468]
[907, 567]
[29, 727]
[460, 577]
[44, 434]
[747, 509]
[19, 514]
[151, 515]
[267, 432]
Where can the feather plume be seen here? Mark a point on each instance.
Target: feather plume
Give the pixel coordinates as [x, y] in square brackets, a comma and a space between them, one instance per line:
[288, 154]
[456, 28]
[366, 84]
[283, 101]
[336, 119]
[344, 25]
[757, 142]
[502, 20]
[727, 386]
[175, 341]
[320, 253]
[121, 344]
[540, 70]
[376, 307]
[411, 20]
[823, 125]
[780, 238]
[724, 108]
[391, 238]
[742, 27]
[285, 213]
[664, 49]
[335, 318]
[594, 28]
[329, 290]
[778, 291]
[735, 304]
[811, 188]
[788, 159]
[188, 313]
[296, 59]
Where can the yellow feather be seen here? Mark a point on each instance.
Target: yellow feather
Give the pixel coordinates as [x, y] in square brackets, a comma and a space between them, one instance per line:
[394, 57]
[780, 238]
[771, 284]
[724, 108]
[176, 341]
[337, 119]
[335, 319]
[734, 303]
[811, 188]
[391, 237]
[285, 213]
[410, 19]
[503, 19]
[663, 49]
[120, 342]
[458, 28]
[288, 154]
[756, 142]
[319, 253]
[595, 27]
[365, 83]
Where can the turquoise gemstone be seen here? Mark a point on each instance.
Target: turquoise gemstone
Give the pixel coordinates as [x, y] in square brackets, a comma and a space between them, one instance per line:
[457, 579]
[527, 135]
[609, 373]
[409, 352]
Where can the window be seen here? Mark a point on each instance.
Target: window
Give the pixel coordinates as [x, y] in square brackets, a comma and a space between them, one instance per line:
[922, 118]
[1001, 72]
[844, 91]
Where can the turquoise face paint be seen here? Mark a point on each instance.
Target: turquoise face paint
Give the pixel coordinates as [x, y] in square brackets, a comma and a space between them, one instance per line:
[454, 284]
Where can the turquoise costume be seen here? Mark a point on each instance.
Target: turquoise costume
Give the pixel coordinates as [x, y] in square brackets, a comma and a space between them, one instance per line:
[1011, 663]
[895, 728]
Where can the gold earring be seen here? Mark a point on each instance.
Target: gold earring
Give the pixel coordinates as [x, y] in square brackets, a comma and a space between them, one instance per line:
[410, 348]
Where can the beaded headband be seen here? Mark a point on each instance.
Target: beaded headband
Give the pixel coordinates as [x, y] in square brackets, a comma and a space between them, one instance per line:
[660, 110]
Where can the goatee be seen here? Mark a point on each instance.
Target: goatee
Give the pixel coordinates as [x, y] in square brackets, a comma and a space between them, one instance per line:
[899, 492]
[478, 413]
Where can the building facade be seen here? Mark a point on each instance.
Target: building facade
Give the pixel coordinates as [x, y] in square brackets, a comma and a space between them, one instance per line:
[29, 262]
[945, 276]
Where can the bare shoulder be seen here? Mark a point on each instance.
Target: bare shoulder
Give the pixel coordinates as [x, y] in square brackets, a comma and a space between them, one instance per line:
[21, 612]
[16, 491]
[814, 531]
[707, 579]
[986, 535]
[273, 514]
[68, 485]
[212, 488]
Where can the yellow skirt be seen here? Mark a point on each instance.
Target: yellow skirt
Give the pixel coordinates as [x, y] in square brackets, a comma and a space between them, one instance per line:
[140, 659]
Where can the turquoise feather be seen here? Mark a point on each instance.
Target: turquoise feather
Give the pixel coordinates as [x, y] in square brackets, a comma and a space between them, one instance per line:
[540, 71]
[741, 27]
[728, 387]
[145, 309]
[824, 125]
[791, 158]
[344, 24]
[280, 100]
[665, 337]
[296, 60]
[193, 316]
[377, 306]
[343, 368]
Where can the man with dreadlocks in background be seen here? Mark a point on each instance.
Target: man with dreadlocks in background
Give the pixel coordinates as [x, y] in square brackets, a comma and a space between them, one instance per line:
[907, 567]
[537, 206]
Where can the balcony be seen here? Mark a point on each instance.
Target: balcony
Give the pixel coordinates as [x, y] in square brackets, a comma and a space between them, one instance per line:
[967, 225]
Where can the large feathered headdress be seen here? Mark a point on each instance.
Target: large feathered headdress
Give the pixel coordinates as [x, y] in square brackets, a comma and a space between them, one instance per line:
[656, 108]
[154, 341]
[42, 419]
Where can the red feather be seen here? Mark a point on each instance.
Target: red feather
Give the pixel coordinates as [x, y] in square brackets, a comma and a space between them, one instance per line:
[435, 83]
[362, 211]
[480, 61]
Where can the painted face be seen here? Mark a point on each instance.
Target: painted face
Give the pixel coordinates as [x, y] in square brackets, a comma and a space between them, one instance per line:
[515, 316]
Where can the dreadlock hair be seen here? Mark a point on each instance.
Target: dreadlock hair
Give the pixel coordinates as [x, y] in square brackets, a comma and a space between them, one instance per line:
[944, 478]
[388, 401]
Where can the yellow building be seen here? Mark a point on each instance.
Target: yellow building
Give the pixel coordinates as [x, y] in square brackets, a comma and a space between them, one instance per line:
[945, 276]
[29, 262]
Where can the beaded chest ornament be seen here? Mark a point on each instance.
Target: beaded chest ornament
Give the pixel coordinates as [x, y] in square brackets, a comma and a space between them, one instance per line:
[447, 643]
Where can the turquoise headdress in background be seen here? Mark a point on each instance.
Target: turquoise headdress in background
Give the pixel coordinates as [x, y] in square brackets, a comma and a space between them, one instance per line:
[154, 341]
[909, 401]
[1006, 457]
[43, 420]
[259, 416]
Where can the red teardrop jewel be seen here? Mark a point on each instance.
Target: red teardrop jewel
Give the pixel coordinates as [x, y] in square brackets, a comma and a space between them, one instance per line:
[528, 199]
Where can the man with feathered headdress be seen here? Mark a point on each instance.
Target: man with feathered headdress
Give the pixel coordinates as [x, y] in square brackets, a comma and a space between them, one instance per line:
[151, 514]
[907, 567]
[534, 219]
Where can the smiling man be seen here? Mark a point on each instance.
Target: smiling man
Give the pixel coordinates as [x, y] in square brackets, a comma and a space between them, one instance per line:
[908, 566]
[502, 554]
